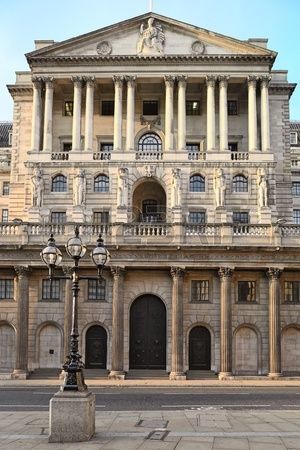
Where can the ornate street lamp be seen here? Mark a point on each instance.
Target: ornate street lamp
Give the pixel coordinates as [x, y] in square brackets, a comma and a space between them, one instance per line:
[52, 257]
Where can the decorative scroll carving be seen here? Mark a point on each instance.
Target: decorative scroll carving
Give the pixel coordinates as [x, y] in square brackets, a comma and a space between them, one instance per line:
[150, 171]
[274, 273]
[150, 123]
[77, 81]
[130, 79]
[118, 80]
[177, 272]
[252, 80]
[117, 271]
[223, 80]
[181, 79]
[22, 271]
[104, 48]
[151, 39]
[89, 80]
[37, 82]
[210, 80]
[169, 80]
[265, 80]
[225, 272]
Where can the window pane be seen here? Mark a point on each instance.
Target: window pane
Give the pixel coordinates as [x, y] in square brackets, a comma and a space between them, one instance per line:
[233, 146]
[101, 183]
[6, 288]
[68, 111]
[67, 146]
[197, 217]
[58, 217]
[192, 147]
[106, 146]
[192, 107]
[296, 188]
[107, 107]
[240, 184]
[51, 290]
[246, 291]
[150, 108]
[292, 291]
[150, 142]
[294, 138]
[5, 189]
[232, 107]
[101, 217]
[240, 217]
[296, 215]
[96, 290]
[197, 183]
[199, 291]
[59, 183]
[4, 215]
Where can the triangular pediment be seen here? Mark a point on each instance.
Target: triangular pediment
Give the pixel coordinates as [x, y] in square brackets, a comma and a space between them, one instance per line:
[150, 35]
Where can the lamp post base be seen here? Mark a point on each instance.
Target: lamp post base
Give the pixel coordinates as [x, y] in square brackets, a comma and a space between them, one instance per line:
[72, 416]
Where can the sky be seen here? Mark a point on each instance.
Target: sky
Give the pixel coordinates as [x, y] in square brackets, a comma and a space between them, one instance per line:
[22, 22]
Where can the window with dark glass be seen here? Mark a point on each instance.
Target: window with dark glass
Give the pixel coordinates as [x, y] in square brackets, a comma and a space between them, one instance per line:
[240, 217]
[197, 216]
[294, 138]
[96, 290]
[51, 290]
[100, 217]
[150, 107]
[199, 291]
[5, 188]
[68, 109]
[192, 107]
[6, 288]
[150, 142]
[106, 147]
[59, 183]
[4, 215]
[240, 183]
[101, 183]
[296, 216]
[296, 188]
[233, 146]
[151, 212]
[232, 107]
[197, 183]
[246, 291]
[58, 217]
[292, 291]
[193, 146]
[67, 146]
[107, 107]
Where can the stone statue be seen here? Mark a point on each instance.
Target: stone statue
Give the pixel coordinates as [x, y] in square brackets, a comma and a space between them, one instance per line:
[151, 38]
[262, 189]
[79, 188]
[122, 196]
[176, 188]
[38, 188]
[219, 187]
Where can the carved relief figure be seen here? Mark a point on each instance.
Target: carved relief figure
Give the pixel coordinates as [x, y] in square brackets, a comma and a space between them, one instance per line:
[262, 188]
[219, 187]
[176, 188]
[79, 188]
[38, 188]
[151, 38]
[150, 171]
[122, 195]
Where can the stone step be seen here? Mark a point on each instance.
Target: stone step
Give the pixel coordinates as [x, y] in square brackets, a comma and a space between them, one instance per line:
[41, 374]
[200, 374]
[140, 374]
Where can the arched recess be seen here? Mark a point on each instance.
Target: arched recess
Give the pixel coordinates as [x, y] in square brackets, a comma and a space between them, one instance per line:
[246, 351]
[96, 348]
[199, 348]
[149, 201]
[290, 350]
[49, 346]
[7, 347]
[147, 348]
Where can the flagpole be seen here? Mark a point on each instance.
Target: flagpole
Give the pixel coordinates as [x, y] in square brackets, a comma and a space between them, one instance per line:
[150, 5]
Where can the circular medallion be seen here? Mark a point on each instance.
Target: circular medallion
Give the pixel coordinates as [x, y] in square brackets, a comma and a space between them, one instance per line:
[104, 48]
[198, 48]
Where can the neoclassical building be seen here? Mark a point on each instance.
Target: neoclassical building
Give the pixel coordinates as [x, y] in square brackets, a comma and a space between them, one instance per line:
[174, 143]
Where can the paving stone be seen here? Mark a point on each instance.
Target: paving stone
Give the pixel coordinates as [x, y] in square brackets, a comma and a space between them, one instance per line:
[291, 443]
[231, 443]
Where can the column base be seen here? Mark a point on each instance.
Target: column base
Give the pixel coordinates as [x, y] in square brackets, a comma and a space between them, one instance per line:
[72, 417]
[19, 374]
[225, 376]
[274, 375]
[116, 375]
[177, 376]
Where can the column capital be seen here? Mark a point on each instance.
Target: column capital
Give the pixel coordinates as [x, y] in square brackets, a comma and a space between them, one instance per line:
[265, 80]
[182, 80]
[169, 80]
[130, 79]
[77, 81]
[48, 82]
[89, 81]
[177, 272]
[118, 80]
[67, 270]
[274, 273]
[252, 80]
[225, 272]
[210, 80]
[117, 271]
[22, 271]
[37, 81]
[223, 80]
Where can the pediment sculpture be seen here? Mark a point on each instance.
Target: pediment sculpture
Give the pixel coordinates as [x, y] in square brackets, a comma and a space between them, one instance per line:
[152, 38]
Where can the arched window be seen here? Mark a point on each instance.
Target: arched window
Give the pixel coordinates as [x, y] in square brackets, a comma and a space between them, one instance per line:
[240, 183]
[197, 183]
[59, 183]
[101, 183]
[150, 142]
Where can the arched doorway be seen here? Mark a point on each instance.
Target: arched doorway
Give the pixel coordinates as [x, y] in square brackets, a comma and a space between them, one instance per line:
[7, 348]
[147, 333]
[246, 351]
[290, 345]
[50, 347]
[96, 348]
[199, 349]
[149, 202]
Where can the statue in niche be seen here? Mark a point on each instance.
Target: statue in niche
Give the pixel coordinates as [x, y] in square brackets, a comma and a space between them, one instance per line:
[38, 188]
[79, 188]
[122, 195]
[262, 188]
[219, 188]
[176, 188]
[151, 38]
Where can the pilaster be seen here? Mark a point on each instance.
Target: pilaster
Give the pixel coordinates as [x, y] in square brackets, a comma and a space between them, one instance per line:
[47, 142]
[118, 82]
[36, 113]
[211, 119]
[182, 82]
[177, 372]
[76, 127]
[225, 274]
[265, 113]
[223, 117]
[89, 113]
[130, 122]
[274, 323]
[252, 114]
[169, 112]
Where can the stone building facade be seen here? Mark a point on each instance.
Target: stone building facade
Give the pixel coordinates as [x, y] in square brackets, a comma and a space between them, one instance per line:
[173, 142]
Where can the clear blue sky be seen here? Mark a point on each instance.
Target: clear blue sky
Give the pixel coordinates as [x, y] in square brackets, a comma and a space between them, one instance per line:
[24, 21]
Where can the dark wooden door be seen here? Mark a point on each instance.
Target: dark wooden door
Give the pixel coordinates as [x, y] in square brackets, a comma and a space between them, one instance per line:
[147, 334]
[96, 347]
[199, 349]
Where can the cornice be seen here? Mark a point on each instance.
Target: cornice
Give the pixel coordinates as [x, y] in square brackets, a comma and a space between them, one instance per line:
[280, 89]
[15, 89]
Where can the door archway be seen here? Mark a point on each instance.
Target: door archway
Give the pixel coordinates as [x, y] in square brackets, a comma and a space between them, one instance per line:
[147, 333]
[96, 348]
[50, 347]
[199, 349]
[7, 347]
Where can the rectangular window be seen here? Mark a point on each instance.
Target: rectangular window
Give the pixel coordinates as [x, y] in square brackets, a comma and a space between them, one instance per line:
[232, 107]
[294, 138]
[51, 290]
[100, 217]
[58, 217]
[296, 188]
[96, 290]
[296, 216]
[68, 109]
[192, 147]
[199, 291]
[192, 108]
[6, 288]
[246, 291]
[292, 291]
[5, 188]
[240, 217]
[10, 138]
[150, 107]
[67, 146]
[4, 215]
[197, 217]
[107, 107]
[106, 147]
[294, 162]
[233, 146]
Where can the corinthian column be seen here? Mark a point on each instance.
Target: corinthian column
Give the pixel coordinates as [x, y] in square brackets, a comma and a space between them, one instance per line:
[22, 297]
[169, 113]
[225, 275]
[117, 357]
[118, 81]
[89, 113]
[36, 114]
[181, 112]
[265, 114]
[130, 125]
[47, 143]
[211, 119]
[252, 114]
[274, 323]
[223, 117]
[177, 372]
[76, 131]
